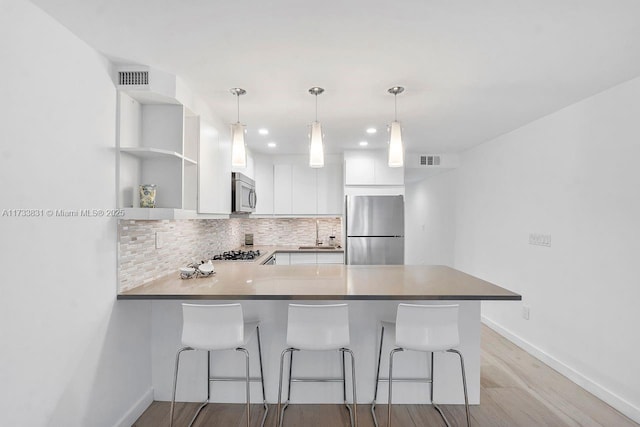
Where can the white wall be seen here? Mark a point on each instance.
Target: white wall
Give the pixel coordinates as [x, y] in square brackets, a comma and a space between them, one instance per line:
[71, 354]
[573, 174]
[430, 220]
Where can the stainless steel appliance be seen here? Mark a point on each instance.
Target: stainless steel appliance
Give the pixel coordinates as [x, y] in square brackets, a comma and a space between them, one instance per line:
[243, 193]
[375, 230]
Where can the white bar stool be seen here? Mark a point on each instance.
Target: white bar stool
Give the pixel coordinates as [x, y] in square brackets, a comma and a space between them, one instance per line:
[318, 328]
[426, 328]
[218, 327]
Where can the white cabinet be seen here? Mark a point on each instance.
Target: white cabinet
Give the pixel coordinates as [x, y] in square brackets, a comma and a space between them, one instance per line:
[330, 198]
[157, 144]
[214, 171]
[304, 190]
[370, 168]
[286, 185]
[300, 258]
[282, 188]
[384, 175]
[303, 258]
[359, 171]
[330, 258]
[264, 185]
[283, 258]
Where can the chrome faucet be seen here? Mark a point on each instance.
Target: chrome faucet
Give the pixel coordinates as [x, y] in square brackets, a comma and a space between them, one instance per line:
[318, 241]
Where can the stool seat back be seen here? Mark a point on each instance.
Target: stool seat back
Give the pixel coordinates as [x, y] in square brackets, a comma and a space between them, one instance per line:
[318, 327]
[427, 327]
[212, 327]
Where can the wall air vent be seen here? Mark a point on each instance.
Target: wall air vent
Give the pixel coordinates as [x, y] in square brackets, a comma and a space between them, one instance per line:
[429, 160]
[133, 78]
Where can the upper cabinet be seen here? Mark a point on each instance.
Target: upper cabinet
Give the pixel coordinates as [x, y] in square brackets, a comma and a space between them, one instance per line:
[330, 195]
[282, 190]
[370, 168]
[264, 178]
[304, 190]
[157, 144]
[214, 170]
[286, 185]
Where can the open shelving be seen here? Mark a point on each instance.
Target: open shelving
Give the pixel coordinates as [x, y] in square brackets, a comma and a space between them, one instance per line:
[157, 144]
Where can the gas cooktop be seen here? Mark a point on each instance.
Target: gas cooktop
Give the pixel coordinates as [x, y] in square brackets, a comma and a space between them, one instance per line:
[237, 256]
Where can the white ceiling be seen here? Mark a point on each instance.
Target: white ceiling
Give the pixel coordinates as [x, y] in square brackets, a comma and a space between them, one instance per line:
[472, 69]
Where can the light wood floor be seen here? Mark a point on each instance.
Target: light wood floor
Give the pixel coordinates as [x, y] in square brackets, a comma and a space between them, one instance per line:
[516, 390]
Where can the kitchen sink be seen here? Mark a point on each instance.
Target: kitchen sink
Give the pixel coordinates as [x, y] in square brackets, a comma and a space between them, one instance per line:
[316, 247]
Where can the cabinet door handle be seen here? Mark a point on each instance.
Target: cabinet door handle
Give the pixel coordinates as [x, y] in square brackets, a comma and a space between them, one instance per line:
[252, 195]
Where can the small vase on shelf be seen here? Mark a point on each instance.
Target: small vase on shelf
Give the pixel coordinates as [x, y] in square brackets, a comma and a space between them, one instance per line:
[148, 196]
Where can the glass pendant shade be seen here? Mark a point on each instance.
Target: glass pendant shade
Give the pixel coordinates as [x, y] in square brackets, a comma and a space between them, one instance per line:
[316, 150]
[238, 149]
[396, 153]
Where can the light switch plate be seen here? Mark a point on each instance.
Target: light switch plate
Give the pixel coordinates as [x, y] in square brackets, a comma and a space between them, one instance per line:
[159, 239]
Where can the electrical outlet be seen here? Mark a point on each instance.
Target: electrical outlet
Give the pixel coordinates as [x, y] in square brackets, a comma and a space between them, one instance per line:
[525, 312]
[540, 239]
[159, 239]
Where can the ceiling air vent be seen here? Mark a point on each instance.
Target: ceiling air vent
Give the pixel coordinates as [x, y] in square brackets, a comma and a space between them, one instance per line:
[133, 78]
[429, 160]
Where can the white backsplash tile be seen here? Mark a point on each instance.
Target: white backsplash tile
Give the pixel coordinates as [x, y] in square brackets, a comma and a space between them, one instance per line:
[186, 241]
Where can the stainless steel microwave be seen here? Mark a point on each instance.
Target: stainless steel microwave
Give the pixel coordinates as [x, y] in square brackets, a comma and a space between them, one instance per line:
[243, 193]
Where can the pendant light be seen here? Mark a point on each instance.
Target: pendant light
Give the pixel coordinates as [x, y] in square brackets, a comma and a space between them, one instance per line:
[238, 149]
[316, 149]
[396, 151]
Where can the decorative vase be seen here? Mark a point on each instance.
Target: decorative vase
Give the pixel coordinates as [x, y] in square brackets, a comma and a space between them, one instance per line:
[148, 196]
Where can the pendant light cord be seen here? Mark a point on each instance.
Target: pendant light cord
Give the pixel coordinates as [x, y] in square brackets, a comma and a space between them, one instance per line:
[316, 107]
[238, 96]
[395, 108]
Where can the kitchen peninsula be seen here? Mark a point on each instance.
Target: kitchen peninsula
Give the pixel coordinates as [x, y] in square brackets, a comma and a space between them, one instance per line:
[373, 293]
[250, 280]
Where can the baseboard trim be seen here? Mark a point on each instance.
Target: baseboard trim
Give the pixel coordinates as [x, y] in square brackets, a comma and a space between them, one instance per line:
[136, 410]
[580, 379]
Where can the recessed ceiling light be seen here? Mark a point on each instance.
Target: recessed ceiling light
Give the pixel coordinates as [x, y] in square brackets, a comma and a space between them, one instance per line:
[371, 131]
[363, 143]
[271, 145]
[263, 131]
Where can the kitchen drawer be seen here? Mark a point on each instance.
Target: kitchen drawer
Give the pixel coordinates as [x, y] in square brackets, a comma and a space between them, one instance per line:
[282, 258]
[330, 258]
[303, 258]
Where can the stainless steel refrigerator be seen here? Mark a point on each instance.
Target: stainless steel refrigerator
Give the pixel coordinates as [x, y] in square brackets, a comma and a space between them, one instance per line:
[375, 230]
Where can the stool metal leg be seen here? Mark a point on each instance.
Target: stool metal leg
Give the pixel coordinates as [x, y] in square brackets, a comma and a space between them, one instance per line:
[280, 414]
[375, 392]
[290, 376]
[431, 375]
[353, 414]
[437, 408]
[175, 382]
[248, 389]
[344, 380]
[206, 402]
[264, 399]
[464, 385]
[393, 352]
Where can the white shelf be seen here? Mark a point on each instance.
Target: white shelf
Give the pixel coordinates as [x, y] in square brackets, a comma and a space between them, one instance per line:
[190, 161]
[173, 213]
[166, 213]
[155, 153]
